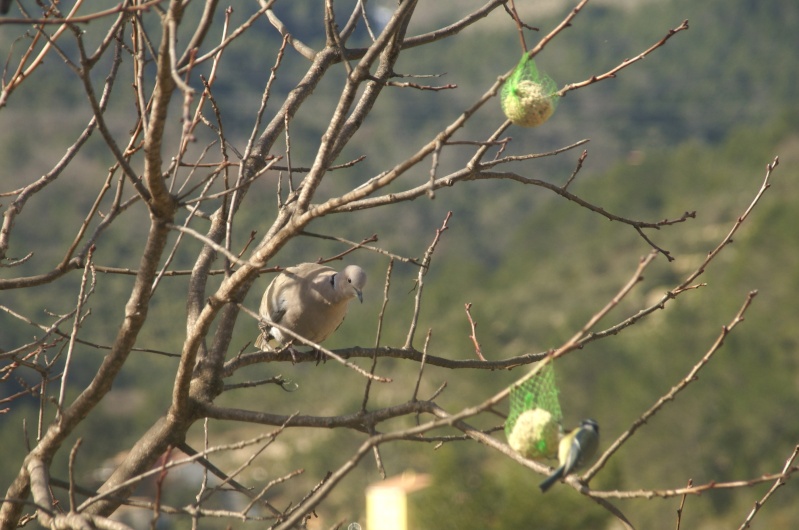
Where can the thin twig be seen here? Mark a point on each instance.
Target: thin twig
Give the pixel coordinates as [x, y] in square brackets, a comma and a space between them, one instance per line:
[417, 86]
[380, 317]
[682, 505]
[421, 365]
[577, 169]
[353, 248]
[511, 10]
[637, 225]
[275, 380]
[565, 23]
[213, 244]
[372, 431]
[627, 62]
[83, 294]
[394, 257]
[696, 489]
[431, 194]
[428, 256]
[72, 456]
[473, 335]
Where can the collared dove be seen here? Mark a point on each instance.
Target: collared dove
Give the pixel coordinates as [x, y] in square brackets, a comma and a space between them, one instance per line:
[309, 299]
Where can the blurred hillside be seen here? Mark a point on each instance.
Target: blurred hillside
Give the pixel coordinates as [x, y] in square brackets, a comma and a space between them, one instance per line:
[690, 128]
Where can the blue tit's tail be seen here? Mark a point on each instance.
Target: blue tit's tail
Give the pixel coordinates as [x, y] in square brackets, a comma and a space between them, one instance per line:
[551, 479]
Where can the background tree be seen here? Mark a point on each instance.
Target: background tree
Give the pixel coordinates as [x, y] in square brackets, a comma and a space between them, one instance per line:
[129, 262]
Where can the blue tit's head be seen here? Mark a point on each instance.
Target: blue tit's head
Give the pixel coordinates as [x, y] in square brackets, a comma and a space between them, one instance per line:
[590, 424]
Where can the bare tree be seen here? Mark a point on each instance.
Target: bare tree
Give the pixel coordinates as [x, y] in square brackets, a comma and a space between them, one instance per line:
[173, 68]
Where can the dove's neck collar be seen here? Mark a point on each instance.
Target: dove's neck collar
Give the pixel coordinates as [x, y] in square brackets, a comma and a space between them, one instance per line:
[333, 280]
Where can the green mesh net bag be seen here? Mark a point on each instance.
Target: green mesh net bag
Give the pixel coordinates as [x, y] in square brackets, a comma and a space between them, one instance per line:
[534, 418]
[528, 97]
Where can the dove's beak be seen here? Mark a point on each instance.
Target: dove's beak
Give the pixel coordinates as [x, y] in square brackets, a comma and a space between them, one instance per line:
[360, 295]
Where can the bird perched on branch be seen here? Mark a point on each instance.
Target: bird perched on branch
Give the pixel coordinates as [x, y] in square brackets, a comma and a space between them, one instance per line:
[309, 299]
[574, 451]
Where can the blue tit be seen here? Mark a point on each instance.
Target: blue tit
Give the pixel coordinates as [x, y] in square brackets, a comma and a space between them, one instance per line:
[574, 450]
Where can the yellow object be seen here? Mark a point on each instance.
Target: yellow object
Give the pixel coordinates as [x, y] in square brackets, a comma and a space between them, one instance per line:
[387, 501]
